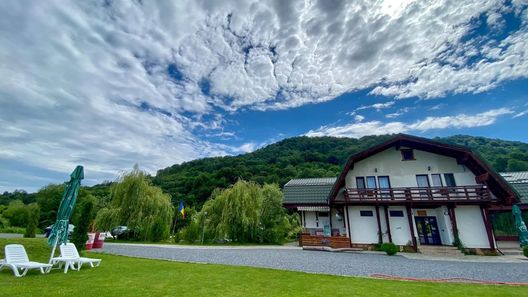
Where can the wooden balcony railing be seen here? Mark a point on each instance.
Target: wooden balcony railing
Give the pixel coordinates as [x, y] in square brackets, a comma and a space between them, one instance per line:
[454, 194]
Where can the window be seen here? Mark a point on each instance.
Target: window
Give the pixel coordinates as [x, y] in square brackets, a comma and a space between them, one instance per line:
[407, 154]
[360, 182]
[450, 180]
[371, 182]
[366, 213]
[437, 180]
[396, 213]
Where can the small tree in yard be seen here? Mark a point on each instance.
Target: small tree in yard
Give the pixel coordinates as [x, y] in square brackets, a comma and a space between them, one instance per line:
[33, 220]
[80, 233]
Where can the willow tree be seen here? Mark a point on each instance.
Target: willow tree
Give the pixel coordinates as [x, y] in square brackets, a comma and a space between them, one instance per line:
[246, 212]
[136, 203]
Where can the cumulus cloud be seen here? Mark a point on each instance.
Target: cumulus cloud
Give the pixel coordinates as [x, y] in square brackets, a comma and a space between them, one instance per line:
[112, 83]
[359, 129]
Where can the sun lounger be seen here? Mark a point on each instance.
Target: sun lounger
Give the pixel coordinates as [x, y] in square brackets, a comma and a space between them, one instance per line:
[16, 258]
[70, 256]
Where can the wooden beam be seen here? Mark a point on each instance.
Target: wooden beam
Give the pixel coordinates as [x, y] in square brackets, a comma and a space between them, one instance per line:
[330, 219]
[483, 178]
[487, 223]
[348, 223]
[409, 217]
[452, 216]
[386, 209]
[464, 159]
[380, 234]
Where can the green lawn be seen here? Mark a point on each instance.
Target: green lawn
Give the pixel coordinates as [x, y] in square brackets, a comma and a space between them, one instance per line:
[123, 276]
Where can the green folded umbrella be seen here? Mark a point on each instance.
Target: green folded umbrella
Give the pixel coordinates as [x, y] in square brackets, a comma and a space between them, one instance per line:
[59, 231]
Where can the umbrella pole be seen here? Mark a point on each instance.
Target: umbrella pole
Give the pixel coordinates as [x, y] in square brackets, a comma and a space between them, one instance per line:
[53, 249]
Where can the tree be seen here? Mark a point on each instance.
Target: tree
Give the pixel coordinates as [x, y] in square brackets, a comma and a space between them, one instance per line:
[80, 233]
[16, 213]
[244, 212]
[48, 198]
[33, 219]
[136, 203]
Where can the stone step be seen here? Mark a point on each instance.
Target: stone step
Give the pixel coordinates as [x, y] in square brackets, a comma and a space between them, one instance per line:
[439, 250]
[511, 252]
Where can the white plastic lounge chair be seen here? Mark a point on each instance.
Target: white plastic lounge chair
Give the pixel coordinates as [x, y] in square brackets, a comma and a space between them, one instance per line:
[16, 258]
[70, 256]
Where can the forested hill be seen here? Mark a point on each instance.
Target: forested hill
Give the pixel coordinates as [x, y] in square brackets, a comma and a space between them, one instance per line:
[300, 157]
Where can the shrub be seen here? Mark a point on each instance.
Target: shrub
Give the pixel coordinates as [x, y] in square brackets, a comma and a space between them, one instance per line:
[525, 250]
[389, 248]
[33, 220]
[159, 230]
[80, 233]
[190, 233]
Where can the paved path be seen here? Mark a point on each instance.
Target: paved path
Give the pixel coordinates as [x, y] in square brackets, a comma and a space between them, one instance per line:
[17, 235]
[352, 264]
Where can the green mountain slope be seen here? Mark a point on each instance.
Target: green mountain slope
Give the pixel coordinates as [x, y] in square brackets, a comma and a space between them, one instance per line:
[300, 157]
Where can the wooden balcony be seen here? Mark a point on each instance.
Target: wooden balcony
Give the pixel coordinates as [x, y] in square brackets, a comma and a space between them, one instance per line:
[464, 194]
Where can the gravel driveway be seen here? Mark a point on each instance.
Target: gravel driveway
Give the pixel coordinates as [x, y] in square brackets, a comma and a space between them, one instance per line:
[352, 264]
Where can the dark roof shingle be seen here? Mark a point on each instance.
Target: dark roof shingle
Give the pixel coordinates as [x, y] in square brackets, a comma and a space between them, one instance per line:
[308, 190]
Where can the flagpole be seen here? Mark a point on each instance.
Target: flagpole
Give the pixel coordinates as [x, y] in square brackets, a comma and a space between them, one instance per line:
[174, 224]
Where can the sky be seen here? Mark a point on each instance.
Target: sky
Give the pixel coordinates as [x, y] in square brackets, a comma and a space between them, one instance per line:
[109, 84]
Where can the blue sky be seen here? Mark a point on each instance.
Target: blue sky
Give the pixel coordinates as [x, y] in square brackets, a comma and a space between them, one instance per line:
[108, 84]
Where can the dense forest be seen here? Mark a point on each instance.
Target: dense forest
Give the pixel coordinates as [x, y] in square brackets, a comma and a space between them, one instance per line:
[295, 157]
[300, 157]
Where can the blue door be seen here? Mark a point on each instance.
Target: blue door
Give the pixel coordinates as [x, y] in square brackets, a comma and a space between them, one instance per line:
[428, 232]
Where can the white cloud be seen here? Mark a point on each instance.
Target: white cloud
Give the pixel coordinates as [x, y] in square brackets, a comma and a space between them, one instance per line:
[438, 106]
[360, 129]
[520, 114]
[376, 106]
[398, 113]
[359, 118]
[88, 81]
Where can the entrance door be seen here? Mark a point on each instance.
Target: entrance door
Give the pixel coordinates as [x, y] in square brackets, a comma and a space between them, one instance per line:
[428, 230]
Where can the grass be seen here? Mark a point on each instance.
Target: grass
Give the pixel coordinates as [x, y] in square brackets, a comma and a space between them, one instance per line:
[124, 276]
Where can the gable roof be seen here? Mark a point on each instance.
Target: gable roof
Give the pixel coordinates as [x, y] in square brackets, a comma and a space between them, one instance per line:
[519, 182]
[497, 185]
[308, 191]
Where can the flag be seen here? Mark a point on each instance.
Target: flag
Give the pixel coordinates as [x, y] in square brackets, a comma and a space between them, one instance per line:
[181, 209]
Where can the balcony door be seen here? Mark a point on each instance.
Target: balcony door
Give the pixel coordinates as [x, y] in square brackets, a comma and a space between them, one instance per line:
[423, 183]
[384, 185]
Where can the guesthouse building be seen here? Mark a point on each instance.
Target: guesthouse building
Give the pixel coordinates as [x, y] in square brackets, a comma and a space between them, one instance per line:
[409, 191]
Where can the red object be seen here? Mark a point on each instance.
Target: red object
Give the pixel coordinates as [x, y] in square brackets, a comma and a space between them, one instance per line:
[98, 240]
[90, 241]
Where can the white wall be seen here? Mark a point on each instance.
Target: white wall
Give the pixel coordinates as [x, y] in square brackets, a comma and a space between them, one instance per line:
[309, 219]
[400, 231]
[471, 228]
[364, 230]
[403, 173]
